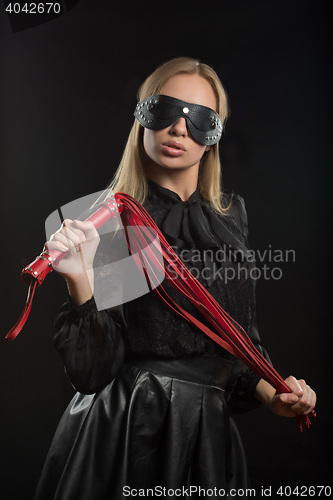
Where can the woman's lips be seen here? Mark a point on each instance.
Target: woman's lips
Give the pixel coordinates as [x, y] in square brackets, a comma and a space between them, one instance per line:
[173, 148]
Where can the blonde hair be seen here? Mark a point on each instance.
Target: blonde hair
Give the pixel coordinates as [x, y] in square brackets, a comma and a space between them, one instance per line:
[130, 175]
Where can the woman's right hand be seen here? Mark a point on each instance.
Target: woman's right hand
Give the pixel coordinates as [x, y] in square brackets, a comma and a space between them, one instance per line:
[80, 240]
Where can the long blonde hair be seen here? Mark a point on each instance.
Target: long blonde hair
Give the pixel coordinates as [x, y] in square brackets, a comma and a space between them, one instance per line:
[130, 175]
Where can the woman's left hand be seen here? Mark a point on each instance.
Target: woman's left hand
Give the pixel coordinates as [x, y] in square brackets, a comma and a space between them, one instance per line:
[300, 401]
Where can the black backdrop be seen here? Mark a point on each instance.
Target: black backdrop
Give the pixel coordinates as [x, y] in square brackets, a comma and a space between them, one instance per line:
[68, 89]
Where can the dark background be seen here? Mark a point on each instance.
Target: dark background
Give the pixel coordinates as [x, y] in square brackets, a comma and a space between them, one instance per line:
[68, 90]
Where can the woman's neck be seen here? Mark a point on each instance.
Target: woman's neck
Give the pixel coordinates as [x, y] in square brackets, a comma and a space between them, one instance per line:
[183, 182]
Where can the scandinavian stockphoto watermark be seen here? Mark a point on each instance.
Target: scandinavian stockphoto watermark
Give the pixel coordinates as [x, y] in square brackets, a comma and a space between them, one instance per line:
[228, 265]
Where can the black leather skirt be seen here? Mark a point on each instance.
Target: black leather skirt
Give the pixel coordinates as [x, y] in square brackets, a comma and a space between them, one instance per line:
[159, 424]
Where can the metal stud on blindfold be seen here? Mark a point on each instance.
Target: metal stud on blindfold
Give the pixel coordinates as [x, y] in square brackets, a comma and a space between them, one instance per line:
[161, 111]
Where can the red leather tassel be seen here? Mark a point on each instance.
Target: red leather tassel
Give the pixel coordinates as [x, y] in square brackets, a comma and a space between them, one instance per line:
[13, 333]
[224, 330]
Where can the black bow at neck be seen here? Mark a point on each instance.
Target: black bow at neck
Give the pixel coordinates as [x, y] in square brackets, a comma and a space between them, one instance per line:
[193, 225]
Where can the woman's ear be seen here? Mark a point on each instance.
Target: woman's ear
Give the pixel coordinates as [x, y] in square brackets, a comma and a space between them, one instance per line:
[207, 148]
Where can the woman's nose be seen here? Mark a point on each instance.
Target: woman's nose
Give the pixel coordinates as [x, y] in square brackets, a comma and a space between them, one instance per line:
[179, 128]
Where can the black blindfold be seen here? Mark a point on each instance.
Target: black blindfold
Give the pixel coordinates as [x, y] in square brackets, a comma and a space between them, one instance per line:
[161, 111]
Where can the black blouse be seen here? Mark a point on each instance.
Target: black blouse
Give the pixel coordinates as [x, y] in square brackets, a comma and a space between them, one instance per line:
[214, 247]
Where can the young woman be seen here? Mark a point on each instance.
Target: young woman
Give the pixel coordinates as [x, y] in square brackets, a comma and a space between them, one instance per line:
[155, 393]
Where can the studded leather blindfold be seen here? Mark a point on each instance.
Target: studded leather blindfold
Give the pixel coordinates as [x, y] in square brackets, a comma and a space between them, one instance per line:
[161, 111]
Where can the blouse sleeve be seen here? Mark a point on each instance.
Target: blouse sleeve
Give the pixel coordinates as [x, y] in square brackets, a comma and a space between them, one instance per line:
[90, 343]
[243, 382]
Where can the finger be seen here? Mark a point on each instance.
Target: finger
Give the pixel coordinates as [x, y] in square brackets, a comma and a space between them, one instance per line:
[294, 396]
[307, 402]
[55, 245]
[59, 241]
[303, 402]
[74, 238]
[63, 236]
[69, 228]
[295, 386]
[287, 398]
[87, 228]
[309, 393]
[313, 398]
